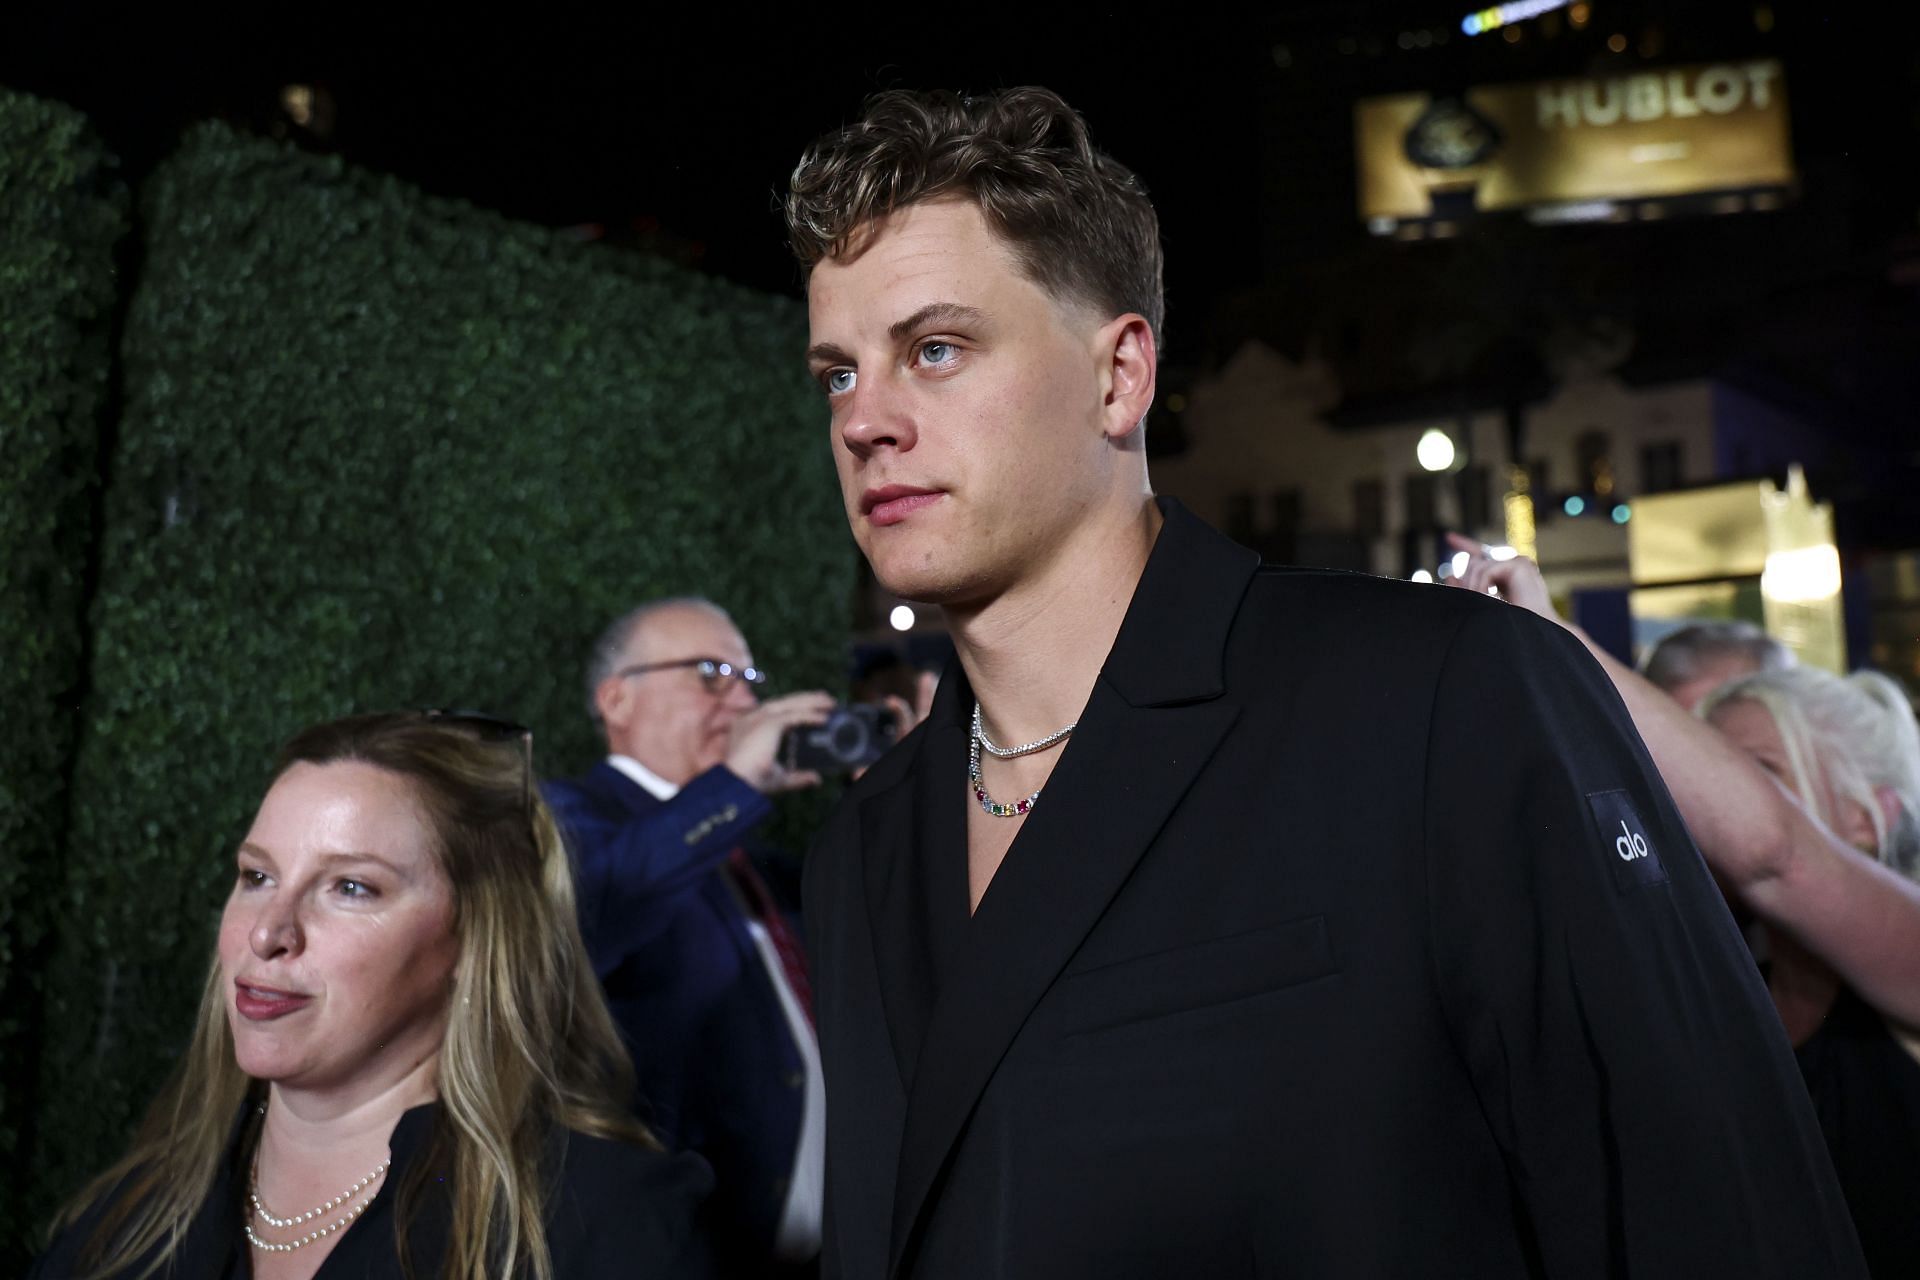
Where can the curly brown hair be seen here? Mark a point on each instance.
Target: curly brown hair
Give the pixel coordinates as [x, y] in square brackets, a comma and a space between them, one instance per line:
[1078, 221]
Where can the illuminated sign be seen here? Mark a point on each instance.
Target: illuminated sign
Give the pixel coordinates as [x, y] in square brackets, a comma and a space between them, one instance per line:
[1500, 15]
[1599, 104]
[1566, 150]
[1735, 531]
[1518, 509]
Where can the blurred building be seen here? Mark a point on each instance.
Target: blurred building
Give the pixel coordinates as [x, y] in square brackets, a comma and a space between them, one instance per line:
[1270, 460]
[1267, 456]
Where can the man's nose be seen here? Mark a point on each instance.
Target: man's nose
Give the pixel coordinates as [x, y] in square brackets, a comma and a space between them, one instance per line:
[740, 696]
[877, 417]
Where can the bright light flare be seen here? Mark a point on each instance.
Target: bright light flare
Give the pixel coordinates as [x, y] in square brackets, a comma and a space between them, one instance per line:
[1806, 576]
[1435, 450]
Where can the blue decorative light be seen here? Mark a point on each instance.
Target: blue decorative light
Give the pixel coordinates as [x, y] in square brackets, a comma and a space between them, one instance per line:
[1622, 513]
[1575, 505]
[1485, 20]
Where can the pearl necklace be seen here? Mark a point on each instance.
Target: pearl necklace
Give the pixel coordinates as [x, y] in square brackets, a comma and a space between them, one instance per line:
[977, 740]
[253, 1195]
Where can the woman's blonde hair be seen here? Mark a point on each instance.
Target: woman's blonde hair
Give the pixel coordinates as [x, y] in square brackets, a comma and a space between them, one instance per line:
[1860, 729]
[529, 1045]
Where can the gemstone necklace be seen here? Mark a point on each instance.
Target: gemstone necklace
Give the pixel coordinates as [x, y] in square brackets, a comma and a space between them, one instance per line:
[978, 739]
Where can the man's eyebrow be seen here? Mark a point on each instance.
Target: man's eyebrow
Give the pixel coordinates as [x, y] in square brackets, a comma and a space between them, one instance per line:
[827, 353]
[934, 314]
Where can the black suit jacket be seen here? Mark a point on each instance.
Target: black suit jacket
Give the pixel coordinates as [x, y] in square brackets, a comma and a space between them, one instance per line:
[612, 1210]
[1322, 954]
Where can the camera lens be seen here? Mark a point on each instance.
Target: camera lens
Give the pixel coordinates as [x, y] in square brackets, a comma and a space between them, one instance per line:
[847, 738]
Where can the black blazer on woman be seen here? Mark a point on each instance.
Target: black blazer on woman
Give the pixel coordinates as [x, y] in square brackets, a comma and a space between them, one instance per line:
[618, 1210]
[1353, 936]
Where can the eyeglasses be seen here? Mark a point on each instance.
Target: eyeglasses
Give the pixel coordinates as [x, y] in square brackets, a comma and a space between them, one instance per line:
[494, 729]
[716, 675]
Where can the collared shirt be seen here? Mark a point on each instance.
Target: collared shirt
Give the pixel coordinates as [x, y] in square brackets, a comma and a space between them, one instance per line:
[798, 1236]
[649, 781]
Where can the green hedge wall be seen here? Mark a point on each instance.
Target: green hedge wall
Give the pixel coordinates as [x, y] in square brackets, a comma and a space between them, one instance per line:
[383, 450]
[62, 214]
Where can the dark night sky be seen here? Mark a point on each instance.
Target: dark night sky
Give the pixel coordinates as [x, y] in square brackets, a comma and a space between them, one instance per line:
[690, 121]
[1238, 119]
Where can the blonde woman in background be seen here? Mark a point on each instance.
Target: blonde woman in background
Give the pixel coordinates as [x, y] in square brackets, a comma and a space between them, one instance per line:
[1802, 789]
[1850, 751]
[402, 1065]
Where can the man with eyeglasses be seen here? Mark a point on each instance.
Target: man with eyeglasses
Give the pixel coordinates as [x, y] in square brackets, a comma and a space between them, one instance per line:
[687, 929]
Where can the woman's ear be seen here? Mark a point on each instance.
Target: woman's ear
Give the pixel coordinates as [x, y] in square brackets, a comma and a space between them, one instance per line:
[1889, 801]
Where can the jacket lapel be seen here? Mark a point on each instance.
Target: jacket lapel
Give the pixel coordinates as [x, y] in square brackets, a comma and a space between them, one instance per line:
[914, 859]
[1156, 715]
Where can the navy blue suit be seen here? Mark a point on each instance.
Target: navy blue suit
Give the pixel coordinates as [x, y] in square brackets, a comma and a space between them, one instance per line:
[719, 1071]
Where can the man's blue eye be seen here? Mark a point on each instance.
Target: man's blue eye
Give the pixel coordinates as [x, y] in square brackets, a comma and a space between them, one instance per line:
[838, 381]
[937, 352]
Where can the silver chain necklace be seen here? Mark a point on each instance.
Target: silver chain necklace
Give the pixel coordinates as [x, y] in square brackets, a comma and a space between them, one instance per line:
[1008, 753]
[977, 740]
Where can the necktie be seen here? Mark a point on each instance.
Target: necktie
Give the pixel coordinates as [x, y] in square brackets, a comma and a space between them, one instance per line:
[785, 943]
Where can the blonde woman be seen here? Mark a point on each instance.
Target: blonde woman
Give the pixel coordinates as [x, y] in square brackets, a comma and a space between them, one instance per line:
[1802, 789]
[1850, 752]
[402, 1065]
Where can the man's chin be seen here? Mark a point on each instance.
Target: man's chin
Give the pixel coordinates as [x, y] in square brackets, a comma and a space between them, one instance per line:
[921, 588]
[942, 583]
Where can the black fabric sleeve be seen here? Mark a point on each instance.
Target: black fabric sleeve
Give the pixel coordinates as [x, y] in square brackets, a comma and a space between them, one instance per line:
[622, 1211]
[1626, 1056]
[62, 1257]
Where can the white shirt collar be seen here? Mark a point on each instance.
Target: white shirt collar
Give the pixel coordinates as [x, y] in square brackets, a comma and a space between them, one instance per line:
[654, 785]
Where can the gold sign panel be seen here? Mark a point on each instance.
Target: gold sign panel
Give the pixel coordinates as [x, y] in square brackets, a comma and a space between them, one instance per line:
[1699, 540]
[1668, 132]
[1717, 532]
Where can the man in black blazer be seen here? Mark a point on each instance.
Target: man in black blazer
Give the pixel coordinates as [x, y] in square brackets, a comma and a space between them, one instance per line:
[1224, 920]
[686, 923]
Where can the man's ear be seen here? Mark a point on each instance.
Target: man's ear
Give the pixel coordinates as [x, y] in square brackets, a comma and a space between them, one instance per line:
[1129, 362]
[610, 699]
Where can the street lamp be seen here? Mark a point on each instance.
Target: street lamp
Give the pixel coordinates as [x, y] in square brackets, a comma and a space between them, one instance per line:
[1435, 450]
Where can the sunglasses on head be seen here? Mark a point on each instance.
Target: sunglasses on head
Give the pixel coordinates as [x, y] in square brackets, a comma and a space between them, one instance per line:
[491, 728]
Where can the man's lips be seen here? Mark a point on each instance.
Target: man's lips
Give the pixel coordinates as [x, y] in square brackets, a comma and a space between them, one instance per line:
[263, 1004]
[890, 504]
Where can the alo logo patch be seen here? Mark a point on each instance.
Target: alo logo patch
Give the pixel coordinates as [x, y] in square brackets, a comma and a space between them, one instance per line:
[1631, 844]
[1623, 835]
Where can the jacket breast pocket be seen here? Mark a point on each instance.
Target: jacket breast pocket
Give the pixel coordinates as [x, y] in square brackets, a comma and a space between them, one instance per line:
[1193, 977]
